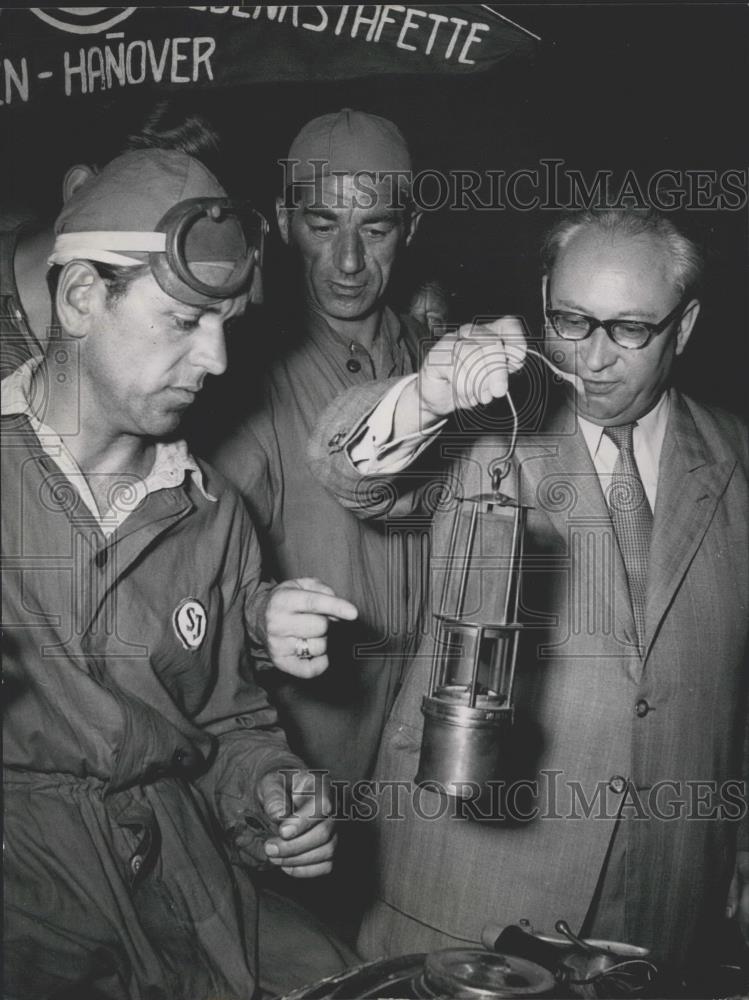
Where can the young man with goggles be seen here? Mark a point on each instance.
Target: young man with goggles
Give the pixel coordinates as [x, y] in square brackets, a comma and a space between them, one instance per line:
[144, 769]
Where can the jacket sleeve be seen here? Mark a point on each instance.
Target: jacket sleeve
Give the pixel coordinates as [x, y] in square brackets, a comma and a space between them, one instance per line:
[248, 742]
[377, 495]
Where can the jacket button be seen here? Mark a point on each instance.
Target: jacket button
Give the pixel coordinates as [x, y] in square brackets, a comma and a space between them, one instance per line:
[618, 784]
[641, 708]
[136, 863]
[183, 758]
[353, 365]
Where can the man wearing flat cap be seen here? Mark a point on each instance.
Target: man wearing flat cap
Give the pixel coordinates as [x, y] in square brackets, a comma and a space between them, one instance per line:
[25, 247]
[144, 769]
[344, 215]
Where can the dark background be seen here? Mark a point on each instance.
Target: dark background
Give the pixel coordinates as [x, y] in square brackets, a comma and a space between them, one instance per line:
[638, 86]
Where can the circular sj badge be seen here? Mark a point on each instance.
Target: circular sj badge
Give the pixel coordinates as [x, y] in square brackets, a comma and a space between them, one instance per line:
[190, 621]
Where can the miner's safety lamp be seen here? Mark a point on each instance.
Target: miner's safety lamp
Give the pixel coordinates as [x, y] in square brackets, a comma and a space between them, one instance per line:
[469, 706]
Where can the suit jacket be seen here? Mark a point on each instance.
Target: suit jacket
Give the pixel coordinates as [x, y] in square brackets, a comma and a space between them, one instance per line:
[600, 730]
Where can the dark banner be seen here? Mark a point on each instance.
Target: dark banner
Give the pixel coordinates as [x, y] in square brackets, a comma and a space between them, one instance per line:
[70, 52]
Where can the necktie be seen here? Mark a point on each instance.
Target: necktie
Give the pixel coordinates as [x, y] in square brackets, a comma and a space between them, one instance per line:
[632, 519]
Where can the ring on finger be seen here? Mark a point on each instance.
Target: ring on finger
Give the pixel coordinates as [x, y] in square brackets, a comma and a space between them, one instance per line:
[302, 650]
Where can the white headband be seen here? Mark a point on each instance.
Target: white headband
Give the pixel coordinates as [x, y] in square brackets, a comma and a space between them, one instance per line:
[101, 246]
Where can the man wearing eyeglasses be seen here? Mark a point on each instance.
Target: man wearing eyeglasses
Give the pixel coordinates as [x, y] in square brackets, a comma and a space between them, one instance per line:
[630, 693]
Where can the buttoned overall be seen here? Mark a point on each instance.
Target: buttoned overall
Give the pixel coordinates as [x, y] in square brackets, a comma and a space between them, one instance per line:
[134, 737]
[335, 720]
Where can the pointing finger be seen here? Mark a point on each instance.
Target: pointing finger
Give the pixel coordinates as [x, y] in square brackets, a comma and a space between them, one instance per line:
[312, 583]
[313, 602]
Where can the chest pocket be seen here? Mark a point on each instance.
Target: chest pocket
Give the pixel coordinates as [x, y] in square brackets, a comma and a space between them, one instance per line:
[176, 616]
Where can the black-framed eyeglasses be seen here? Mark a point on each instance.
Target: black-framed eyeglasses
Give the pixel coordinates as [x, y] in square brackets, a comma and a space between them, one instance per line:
[631, 334]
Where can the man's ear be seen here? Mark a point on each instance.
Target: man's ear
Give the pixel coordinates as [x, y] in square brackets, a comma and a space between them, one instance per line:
[413, 225]
[283, 217]
[544, 289]
[75, 178]
[80, 295]
[686, 325]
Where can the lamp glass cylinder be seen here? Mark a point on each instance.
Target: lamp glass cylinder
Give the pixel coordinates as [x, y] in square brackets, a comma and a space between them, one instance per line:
[469, 702]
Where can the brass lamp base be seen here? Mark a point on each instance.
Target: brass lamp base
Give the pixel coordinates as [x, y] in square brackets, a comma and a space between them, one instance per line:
[461, 746]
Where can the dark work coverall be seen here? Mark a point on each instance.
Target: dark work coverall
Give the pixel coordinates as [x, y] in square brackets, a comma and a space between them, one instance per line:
[134, 738]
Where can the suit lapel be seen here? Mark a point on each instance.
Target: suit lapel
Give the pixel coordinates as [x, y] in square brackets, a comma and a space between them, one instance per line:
[559, 478]
[690, 484]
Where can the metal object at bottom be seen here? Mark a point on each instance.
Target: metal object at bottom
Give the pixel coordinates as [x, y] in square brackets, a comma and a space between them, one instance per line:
[461, 973]
[472, 972]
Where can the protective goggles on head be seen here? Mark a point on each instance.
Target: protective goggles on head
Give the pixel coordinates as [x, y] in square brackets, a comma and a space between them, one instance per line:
[202, 250]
